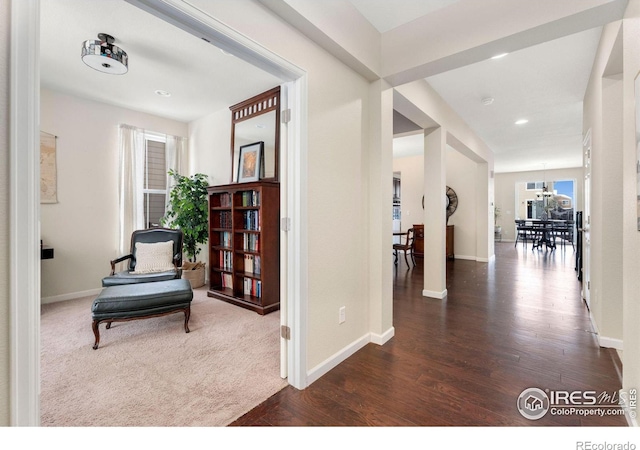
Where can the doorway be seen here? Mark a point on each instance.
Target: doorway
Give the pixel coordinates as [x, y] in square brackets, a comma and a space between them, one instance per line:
[25, 297]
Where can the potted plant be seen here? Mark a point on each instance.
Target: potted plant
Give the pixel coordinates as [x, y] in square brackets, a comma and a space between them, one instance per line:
[187, 210]
[496, 214]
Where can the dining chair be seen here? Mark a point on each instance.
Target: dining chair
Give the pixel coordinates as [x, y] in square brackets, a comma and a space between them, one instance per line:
[564, 232]
[524, 232]
[407, 247]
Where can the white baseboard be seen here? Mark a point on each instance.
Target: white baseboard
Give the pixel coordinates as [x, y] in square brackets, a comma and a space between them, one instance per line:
[604, 341]
[331, 362]
[70, 296]
[608, 342]
[381, 339]
[474, 258]
[434, 294]
[593, 323]
[346, 352]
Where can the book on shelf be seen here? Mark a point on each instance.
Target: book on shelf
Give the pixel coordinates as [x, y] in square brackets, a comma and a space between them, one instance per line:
[250, 198]
[251, 220]
[250, 242]
[227, 281]
[226, 260]
[252, 264]
[225, 219]
[252, 287]
[225, 200]
[225, 239]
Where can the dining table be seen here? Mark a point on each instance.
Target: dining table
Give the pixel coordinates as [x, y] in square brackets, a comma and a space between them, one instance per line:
[541, 231]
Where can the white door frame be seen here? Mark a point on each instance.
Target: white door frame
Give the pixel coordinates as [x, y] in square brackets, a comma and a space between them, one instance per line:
[25, 190]
[24, 215]
[586, 222]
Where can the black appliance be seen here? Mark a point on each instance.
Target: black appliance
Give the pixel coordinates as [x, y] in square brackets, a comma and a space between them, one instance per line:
[579, 244]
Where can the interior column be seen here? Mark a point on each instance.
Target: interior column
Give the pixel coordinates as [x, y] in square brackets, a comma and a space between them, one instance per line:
[435, 264]
[380, 159]
[484, 213]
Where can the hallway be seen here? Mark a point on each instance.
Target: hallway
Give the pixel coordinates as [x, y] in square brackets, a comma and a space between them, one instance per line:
[516, 323]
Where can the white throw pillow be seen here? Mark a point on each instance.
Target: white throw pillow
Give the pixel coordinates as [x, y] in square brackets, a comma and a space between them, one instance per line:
[152, 258]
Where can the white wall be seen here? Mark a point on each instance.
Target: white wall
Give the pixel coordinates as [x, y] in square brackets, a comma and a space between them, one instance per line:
[83, 226]
[421, 103]
[630, 233]
[411, 189]
[5, 355]
[337, 176]
[210, 153]
[603, 116]
[461, 177]
[210, 147]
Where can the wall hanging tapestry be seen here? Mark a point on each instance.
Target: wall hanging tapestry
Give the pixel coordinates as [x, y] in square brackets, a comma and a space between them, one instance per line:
[48, 172]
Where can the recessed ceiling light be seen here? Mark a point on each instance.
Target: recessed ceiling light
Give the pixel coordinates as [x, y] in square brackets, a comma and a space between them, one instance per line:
[521, 121]
[162, 93]
[487, 101]
[501, 55]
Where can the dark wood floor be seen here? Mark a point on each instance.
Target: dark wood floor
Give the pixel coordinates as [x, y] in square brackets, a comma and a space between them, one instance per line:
[512, 324]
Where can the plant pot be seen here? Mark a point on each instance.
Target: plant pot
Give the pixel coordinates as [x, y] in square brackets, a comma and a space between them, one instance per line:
[498, 229]
[195, 276]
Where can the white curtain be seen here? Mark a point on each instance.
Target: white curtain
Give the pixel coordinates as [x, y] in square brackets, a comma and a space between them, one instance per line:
[177, 158]
[131, 184]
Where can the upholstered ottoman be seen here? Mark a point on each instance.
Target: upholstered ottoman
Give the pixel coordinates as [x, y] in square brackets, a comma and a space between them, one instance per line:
[141, 301]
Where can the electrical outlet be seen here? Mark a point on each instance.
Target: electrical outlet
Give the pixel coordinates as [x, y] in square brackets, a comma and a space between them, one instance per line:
[342, 315]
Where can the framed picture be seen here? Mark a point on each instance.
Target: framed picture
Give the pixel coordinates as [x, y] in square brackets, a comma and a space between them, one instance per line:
[251, 163]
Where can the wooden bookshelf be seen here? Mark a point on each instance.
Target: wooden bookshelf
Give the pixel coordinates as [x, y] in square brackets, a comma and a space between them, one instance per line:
[244, 245]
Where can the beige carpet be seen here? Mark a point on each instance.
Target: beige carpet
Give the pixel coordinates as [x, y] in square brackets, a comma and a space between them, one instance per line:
[151, 373]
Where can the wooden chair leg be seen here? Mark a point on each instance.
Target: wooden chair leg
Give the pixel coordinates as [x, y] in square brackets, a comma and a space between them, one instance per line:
[96, 333]
[187, 314]
[395, 260]
[405, 258]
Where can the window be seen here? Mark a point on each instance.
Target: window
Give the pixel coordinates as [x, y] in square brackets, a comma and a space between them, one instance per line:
[535, 185]
[534, 209]
[155, 180]
[145, 159]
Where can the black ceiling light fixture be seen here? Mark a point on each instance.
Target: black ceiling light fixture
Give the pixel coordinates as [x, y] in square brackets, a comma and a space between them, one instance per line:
[102, 55]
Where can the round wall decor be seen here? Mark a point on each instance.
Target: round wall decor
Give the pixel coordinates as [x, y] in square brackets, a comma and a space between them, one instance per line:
[452, 202]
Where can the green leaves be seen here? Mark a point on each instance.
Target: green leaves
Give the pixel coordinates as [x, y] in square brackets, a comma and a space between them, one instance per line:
[188, 210]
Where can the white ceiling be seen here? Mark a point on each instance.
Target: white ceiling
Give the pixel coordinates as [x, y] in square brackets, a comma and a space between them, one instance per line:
[386, 15]
[200, 78]
[544, 84]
